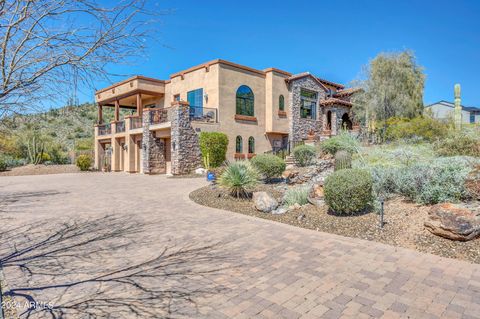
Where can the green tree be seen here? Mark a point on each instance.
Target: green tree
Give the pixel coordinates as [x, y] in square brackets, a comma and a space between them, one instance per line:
[392, 87]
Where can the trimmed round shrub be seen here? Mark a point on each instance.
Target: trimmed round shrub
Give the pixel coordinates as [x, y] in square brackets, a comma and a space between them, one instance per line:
[84, 162]
[213, 146]
[349, 190]
[304, 154]
[268, 165]
[3, 165]
[240, 178]
[342, 142]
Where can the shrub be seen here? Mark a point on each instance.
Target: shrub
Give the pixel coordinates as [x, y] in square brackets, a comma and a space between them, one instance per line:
[349, 190]
[213, 146]
[342, 142]
[3, 165]
[304, 154]
[437, 182]
[45, 158]
[424, 127]
[239, 178]
[472, 183]
[458, 144]
[269, 165]
[296, 195]
[343, 160]
[84, 162]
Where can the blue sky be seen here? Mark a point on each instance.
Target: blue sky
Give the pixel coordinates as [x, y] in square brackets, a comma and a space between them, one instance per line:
[332, 39]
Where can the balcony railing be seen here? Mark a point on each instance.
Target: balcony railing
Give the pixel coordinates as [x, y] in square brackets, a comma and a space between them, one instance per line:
[104, 129]
[203, 114]
[135, 122]
[159, 116]
[120, 127]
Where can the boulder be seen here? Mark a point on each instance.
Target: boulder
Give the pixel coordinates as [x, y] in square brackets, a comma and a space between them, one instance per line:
[264, 202]
[316, 196]
[279, 211]
[289, 174]
[453, 222]
[200, 171]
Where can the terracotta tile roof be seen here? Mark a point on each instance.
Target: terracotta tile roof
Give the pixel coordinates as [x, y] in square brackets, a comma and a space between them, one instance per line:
[305, 74]
[346, 92]
[337, 85]
[333, 101]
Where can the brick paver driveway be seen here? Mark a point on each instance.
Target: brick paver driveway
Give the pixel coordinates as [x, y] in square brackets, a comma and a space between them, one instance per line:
[274, 270]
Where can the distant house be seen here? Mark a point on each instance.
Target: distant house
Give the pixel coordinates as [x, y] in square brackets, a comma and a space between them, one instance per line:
[444, 110]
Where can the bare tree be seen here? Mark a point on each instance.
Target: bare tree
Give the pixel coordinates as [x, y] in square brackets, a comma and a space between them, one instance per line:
[89, 269]
[48, 45]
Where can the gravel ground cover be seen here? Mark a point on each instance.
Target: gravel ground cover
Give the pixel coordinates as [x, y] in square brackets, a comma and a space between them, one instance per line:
[404, 222]
[41, 170]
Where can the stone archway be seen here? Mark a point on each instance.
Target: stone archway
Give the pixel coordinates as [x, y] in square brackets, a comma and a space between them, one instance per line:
[346, 122]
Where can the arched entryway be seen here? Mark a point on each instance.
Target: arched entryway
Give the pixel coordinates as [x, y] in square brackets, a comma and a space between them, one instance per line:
[329, 120]
[346, 122]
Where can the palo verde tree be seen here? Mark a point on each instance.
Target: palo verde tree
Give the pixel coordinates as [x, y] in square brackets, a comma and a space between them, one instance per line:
[46, 45]
[392, 86]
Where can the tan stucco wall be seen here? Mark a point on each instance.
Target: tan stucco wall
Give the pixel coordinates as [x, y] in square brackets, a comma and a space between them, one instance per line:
[279, 87]
[230, 80]
[195, 80]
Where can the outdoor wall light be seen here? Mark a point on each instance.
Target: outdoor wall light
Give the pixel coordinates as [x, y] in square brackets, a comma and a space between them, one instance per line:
[206, 97]
[382, 202]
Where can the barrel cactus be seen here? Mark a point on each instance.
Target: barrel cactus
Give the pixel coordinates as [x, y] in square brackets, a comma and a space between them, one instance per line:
[343, 160]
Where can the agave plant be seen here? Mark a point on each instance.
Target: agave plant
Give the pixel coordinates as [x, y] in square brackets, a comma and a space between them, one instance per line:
[240, 178]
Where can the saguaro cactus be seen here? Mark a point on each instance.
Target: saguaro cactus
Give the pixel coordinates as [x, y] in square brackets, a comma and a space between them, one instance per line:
[458, 108]
[343, 160]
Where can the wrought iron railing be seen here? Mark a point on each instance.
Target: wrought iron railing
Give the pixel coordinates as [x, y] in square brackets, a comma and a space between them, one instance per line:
[120, 127]
[159, 116]
[135, 122]
[203, 114]
[104, 129]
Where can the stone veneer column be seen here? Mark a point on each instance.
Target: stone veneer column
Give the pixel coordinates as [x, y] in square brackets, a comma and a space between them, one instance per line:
[184, 141]
[334, 122]
[146, 142]
[153, 149]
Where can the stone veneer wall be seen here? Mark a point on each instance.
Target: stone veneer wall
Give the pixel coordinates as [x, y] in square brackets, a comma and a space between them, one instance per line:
[153, 149]
[186, 156]
[299, 128]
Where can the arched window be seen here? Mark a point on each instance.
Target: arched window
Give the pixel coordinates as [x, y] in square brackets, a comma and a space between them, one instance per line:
[251, 145]
[245, 101]
[239, 145]
[281, 103]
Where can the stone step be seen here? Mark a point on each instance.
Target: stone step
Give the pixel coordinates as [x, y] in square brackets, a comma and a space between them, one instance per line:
[289, 159]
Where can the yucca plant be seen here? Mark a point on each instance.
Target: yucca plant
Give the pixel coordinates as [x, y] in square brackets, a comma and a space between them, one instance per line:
[240, 178]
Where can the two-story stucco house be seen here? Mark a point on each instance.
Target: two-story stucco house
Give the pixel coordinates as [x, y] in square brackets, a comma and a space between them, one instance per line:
[444, 110]
[259, 111]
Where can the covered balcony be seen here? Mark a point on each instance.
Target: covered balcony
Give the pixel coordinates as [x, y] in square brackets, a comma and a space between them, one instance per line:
[128, 98]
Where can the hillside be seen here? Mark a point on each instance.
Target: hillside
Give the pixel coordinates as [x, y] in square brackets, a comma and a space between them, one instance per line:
[60, 133]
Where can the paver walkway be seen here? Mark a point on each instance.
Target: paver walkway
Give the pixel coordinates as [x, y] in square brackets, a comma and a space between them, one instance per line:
[282, 271]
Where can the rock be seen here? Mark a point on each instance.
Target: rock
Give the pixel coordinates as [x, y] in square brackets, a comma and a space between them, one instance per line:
[290, 167]
[200, 171]
[279, 211]
[289, 174]
[453, 222]
[316, 196]
[264, 202]
[301, 217]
